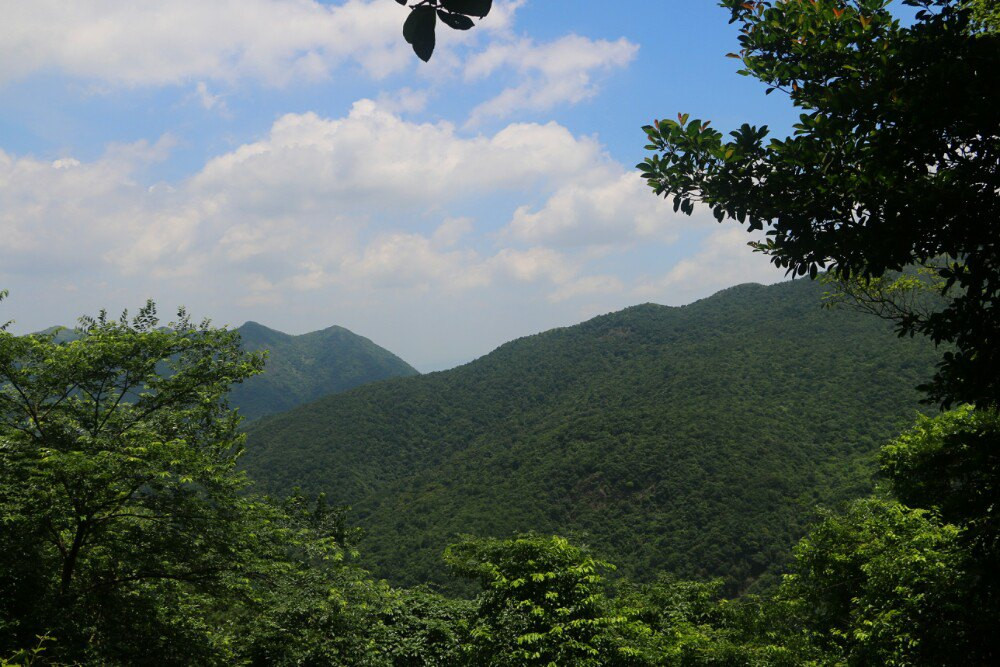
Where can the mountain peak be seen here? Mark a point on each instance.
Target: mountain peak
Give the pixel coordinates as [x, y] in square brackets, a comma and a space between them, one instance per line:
[310, 366]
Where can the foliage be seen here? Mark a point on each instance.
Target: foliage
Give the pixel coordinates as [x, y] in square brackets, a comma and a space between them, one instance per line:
[127, 532]
[677, 622]
[304, 368]
[951, 463]
[914, 294]
[986, 15]
[892, 163]
[118, 485]
[421, 627]
[26, 657]
[129, 537]
[542, 601]
[313, 604]
[418, 29]
[707, 447]
[882, 585]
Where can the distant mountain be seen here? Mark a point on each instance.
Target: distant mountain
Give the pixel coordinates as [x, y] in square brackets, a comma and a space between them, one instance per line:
[302, 368]
[307, 367]
[695, 440]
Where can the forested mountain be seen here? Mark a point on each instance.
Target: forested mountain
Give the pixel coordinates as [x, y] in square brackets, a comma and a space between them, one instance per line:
[301, 368]
[695, 440]
[304, 368]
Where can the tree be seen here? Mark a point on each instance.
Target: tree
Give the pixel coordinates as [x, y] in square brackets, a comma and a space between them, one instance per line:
[121, 508]
[883, 584]
[675, 622]
[894, 160]
[542, 601]
[950, 464]
[312, 605]
[986, 13]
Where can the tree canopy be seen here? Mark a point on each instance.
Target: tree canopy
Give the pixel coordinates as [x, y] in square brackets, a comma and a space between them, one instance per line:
[118, 480]
[894, 160]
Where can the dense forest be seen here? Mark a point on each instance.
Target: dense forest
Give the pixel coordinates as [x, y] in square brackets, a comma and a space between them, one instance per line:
[130, 537]
[131, 533]
[708, 447]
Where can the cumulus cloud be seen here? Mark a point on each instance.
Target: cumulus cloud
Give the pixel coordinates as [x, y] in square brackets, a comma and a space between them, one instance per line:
[365, 212]
[563, 71]
[587, 286]
[161, 43]
[355, 203]
[605, 207]
[314, 203]
[209, 100]
[372, 160]
[722, 260]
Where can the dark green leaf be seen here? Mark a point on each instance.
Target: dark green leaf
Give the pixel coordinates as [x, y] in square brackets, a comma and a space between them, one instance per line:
[418, 30]
[456, 21]
[478, 8]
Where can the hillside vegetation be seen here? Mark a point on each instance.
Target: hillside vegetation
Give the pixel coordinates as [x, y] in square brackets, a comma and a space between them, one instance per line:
[695, 440]
[304, 368]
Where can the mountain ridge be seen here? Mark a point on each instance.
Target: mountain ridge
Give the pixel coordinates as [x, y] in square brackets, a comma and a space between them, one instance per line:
[695, 438]
[305, 367]
[300, 368]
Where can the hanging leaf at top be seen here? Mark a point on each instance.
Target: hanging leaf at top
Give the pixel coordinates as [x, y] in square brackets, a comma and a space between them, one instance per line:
[418, 31]
[456, 21]
[478, 8]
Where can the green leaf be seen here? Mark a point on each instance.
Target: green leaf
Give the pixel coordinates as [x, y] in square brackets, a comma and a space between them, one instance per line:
[478, 8]
[456, 21]
[418, 31]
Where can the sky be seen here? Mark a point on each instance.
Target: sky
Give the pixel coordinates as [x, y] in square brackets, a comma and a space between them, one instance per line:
[291, 162]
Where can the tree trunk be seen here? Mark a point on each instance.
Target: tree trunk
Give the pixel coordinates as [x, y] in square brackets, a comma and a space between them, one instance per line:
[69, 561]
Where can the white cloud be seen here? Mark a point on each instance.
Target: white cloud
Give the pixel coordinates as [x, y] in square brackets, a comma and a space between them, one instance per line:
[558, 72]
[164, 43]
[612, 207]
[723, 260]
[373, 161]
[412, 261]
[405, 100]
[61, 214]
[362, 213]
[316, 202]
[534, 264]
[587, 286]
[208, 100]
[452, 230]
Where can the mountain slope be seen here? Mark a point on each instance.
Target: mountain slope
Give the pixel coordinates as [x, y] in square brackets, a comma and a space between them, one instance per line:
[307, 367]
[696, 440]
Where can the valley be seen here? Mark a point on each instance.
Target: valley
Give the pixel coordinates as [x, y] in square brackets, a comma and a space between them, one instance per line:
[696, 440]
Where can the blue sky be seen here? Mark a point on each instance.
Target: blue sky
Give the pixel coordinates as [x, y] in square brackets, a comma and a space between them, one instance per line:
[291, 162]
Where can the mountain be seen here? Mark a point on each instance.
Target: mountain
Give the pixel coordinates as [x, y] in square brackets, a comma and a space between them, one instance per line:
[302, 368]
[307, 367]
[696, 440]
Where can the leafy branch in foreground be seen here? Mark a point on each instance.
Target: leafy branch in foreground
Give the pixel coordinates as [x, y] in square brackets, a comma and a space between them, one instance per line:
[908, 299]
[893, 162]
[419, 27]
[118, 481]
